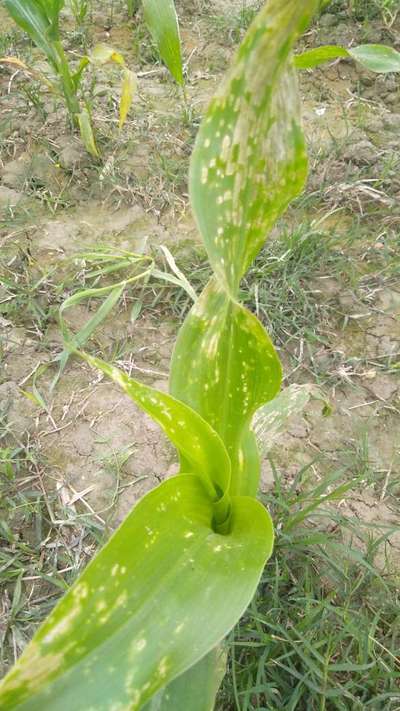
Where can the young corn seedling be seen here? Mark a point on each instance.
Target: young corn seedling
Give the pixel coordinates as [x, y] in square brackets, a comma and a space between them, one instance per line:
[80, 11]
[40, 19]
[163, 24]
[143, 626]
[376, 57]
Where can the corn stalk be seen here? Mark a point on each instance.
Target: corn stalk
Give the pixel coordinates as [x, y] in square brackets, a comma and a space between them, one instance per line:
[143, 625]
[40, 19]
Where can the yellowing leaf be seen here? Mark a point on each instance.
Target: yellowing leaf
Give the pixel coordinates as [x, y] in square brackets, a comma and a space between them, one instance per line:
[102, 54]
[85, 127]
[129, 86]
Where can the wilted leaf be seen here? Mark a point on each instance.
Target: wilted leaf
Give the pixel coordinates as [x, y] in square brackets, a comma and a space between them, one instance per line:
[270, 419]
[129, 87]
[85, 127]
[103, 54]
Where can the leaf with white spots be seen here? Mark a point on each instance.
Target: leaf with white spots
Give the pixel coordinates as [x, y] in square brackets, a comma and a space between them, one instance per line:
[200, 447]
[249, 160]
[160, 595]
[196, 689]
[225, 367]
[270, 419]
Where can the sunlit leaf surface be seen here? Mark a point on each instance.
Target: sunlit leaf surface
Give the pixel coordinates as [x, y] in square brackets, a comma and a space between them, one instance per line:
[158, 597]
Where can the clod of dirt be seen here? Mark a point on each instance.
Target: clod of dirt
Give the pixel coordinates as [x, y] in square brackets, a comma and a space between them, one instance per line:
[383, 387]
[361, 153]
[328, 20]
[14, 174]
[9, 197]
[35, 171]
[17, 413]
[391, 122]
[72, 154]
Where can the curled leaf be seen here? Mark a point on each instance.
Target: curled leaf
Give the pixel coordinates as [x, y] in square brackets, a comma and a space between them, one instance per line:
[103, 54]
[129, 87]
[85, 127]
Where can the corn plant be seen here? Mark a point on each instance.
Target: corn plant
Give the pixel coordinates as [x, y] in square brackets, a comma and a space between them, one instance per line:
[80, 10]
[143, 626]
[40, 19]
[163, 24]
[376, 58]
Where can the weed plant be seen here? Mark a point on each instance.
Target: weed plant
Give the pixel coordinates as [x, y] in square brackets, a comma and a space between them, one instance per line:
[323, 632]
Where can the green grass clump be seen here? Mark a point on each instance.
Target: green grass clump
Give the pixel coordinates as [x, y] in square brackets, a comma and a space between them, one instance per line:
[323, 633]
[42, 545]
[278, 286]
[363, 10]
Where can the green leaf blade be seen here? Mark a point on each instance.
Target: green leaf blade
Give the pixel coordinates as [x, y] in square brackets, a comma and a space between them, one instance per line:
[250, 160]
[312, 58]
[225, 367]
[33, 20]
[199, 446]
[196, 689]
[377, 58]
[160, 595]
[162, 21]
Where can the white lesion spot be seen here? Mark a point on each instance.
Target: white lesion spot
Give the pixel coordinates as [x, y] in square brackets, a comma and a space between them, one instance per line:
[81, 591]
[34, 672]
[114, 570]
[217, 549]
[101, 605]
[122, 599]
[163, 667]
[188, 534]
[140, 645]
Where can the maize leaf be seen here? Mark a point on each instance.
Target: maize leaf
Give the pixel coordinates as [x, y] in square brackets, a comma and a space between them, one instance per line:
[129, 86]
[160, 595]
[85, 127]
[162, 21]
[374, 57]
[231, 371]
[32, 17]
[249, 160]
